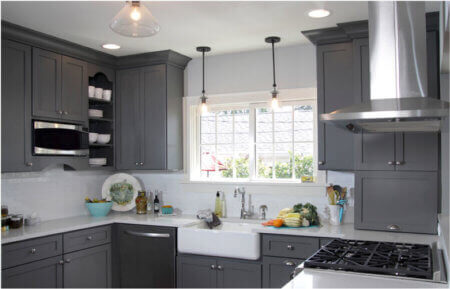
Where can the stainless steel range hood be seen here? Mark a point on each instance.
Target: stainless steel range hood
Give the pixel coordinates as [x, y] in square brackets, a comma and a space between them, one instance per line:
[398, 75]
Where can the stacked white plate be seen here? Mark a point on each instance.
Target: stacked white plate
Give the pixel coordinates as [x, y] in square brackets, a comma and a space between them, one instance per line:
[97, 162]
[95, 113]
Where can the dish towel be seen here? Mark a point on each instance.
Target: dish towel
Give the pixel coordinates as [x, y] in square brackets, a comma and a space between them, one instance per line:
[211, 219]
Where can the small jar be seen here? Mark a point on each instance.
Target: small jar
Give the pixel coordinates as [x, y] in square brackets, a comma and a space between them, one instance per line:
[4, 211]
[16, 221]
[5, 223]
[141, 203]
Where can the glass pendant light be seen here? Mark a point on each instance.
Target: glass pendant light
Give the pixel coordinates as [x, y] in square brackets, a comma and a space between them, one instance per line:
[203, 98]
[275, 105]
[134, 20]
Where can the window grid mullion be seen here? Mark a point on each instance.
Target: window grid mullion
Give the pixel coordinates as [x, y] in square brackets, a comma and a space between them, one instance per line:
[273, 144]
[234, 146]
[293, 146]
[252, 143]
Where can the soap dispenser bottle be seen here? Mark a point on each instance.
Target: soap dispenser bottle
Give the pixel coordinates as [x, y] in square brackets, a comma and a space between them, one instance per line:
[218, 206]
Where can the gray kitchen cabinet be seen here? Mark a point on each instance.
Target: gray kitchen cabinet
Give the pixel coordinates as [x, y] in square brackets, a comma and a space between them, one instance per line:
[59, 86]
[146, 256]
[196, 272]
[149, 118]
[396, 201]
[89, 268]
[16, 107]
[74, 96]
[211, 272]
[277, 271]
[289, 246]
[47, 273]
[334, 91]
[46, 84]
[393, 151]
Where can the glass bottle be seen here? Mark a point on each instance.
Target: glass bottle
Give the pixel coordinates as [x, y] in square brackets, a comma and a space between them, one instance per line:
[141, 203]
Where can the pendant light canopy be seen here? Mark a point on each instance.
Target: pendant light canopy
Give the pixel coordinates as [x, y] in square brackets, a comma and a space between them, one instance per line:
[134, 20]
[203, 49]
[274, 92]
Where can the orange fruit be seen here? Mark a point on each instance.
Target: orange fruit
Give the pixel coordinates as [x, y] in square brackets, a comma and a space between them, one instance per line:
[277, 222]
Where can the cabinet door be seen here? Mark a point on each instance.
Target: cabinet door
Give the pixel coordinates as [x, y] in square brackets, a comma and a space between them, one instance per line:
[373, 151]
[238, 274]
[277, 271]
[128, 118]
[147, 256]
[397, 201]
[89, 268]
[16, 107]
[334, 91]
[154, 120]
[46, 83]
[196, 272]
[417, 151]
[74, 101]
[47, 273]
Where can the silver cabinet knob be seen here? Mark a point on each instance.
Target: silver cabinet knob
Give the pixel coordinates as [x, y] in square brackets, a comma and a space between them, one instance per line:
[59, 111]
[391, 163]
[321, 163]
[61, 262]
[68, 260]
[137, 164]
[32, 251]
[220, 268]
[289, 263]
[65, 112]
[399, 163]
[89, 238]
[141, 164]
[290, 247]
[29, 164]
[393, 227]
[213, 267]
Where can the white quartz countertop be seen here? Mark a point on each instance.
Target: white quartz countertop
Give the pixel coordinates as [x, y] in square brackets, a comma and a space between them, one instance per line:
[316, 278]
[345, 231]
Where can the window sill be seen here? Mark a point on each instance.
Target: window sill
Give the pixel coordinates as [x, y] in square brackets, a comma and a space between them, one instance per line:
[254, 183]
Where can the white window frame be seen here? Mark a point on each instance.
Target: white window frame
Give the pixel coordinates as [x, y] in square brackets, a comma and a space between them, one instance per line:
[302, 96]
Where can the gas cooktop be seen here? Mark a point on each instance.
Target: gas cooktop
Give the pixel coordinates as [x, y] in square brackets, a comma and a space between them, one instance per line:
[398, 259]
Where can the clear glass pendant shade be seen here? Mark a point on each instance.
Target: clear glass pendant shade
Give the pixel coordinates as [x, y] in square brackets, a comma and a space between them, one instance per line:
[135, 20]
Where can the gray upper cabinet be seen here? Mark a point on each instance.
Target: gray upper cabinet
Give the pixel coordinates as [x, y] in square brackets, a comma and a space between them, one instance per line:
[74, 98]
[89, 268]
[396, 201]
[334, 91]
[16, 107]
[149, 118]
[46, 84]
[47, 273]
[59, 86]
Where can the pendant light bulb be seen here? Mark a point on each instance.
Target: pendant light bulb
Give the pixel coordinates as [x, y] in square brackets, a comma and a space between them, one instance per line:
[274, 103]
[203, 106]
[135, 14]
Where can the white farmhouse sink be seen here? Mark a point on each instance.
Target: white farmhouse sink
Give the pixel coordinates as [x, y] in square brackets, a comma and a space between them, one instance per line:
[233, 240]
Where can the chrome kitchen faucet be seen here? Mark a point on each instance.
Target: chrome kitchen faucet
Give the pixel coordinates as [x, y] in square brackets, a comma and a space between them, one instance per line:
[244, 213]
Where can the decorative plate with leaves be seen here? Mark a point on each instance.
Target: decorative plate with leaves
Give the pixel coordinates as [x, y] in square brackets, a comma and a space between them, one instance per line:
[122, 189]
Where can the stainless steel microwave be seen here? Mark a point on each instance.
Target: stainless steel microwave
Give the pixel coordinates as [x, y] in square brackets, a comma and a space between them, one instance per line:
[60, 139]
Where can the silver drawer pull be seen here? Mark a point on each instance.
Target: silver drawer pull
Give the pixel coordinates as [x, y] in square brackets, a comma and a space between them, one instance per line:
[399, 163]
[213, 267]
[148, 235]
[321, 163]
[289, 263]
[61, 262]
[220, 268]
[32, 251]
[393, 227]
[89, 238]
[290, 247]
[391, 163]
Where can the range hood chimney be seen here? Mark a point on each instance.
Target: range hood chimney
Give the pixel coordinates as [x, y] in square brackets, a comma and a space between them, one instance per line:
[398, 75]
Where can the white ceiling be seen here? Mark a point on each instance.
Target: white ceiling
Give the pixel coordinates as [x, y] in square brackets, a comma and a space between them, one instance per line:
[225, 26]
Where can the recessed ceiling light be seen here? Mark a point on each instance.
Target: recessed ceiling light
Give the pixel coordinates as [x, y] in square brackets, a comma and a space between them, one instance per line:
[318, 13]
[110, 46]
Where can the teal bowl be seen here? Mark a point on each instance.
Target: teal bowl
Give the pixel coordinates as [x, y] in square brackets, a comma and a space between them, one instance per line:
[99, 209]
[166, 211]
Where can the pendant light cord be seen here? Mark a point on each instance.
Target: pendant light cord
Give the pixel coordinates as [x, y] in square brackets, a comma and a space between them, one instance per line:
[273, 64]
[203, 73]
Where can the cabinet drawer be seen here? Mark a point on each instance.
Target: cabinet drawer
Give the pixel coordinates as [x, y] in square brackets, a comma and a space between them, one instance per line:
[86, 238]
[277, 271]
[288, 246]
[32, 250]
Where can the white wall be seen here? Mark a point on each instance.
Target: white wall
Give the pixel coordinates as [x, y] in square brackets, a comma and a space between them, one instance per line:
[55, 193]
[445, 161]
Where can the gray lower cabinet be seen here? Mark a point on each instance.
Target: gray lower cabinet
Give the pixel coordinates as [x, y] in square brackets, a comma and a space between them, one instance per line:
[89, 268]
[211, 272]
[16, 107]
[146, 256]
[149, 118]
[47, 273]
[277, 271]
[334, 91]
[396, 201]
